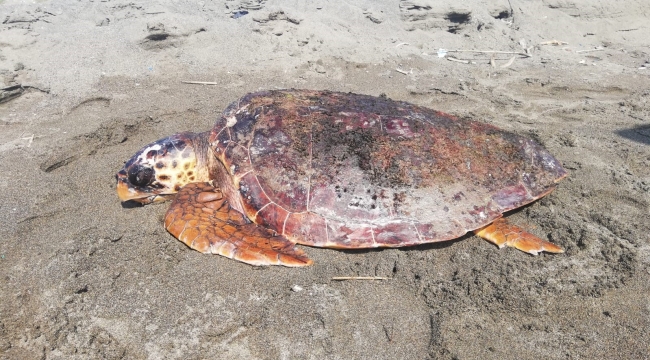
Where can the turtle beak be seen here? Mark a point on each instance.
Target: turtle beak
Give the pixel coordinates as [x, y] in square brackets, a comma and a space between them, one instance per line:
[126, 193]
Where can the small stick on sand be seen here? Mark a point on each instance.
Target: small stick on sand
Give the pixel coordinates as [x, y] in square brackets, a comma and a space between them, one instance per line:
[400, 44]
[554, 42]
[200, 82]
[31, 138]
[342, 278]
[450, 58]
[492, 52]
[404, 71]
[600, 48]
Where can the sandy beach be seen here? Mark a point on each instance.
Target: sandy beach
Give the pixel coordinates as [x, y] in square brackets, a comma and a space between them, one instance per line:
[85, 84]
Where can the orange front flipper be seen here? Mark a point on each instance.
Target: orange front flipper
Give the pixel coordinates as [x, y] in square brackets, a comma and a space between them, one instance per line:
[502, 233]
[201, 217]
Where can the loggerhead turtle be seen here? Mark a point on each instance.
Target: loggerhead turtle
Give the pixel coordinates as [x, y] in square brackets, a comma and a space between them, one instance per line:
[338, 170]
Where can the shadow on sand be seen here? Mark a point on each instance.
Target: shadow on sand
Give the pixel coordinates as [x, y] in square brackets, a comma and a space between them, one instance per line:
[640, 133]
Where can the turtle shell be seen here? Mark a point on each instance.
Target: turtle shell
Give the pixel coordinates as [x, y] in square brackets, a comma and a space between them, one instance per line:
[343, 170]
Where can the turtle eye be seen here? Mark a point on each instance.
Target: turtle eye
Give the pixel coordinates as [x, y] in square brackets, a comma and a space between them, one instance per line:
[140, 175]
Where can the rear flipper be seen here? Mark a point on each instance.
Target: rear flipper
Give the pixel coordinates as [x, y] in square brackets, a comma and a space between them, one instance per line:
[502, 233]
[200, 217]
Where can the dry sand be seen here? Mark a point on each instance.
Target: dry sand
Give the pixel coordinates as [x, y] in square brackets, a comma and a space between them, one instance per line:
[82, 277]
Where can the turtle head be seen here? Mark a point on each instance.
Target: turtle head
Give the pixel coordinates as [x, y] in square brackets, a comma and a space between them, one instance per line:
[160, 169]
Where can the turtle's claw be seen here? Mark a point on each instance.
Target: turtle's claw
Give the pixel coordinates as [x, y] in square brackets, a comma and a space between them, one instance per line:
[502, 233]
[201, 218]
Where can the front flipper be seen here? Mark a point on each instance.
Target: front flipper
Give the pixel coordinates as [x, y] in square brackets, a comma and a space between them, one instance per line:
[200, 217]
[502, 233]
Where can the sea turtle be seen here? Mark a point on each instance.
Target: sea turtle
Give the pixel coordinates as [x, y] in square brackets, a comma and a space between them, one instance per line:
[338, 170]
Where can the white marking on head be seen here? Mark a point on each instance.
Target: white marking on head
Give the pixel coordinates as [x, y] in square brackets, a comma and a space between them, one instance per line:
[142, 159]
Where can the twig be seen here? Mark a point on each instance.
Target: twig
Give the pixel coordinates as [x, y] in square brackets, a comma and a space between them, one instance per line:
[451, 58]
[492, 52]
[554, 42]
[404, 71]
[30, 139]
[400, 44]
[200, 82]
[590, 50]
[342, 278]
